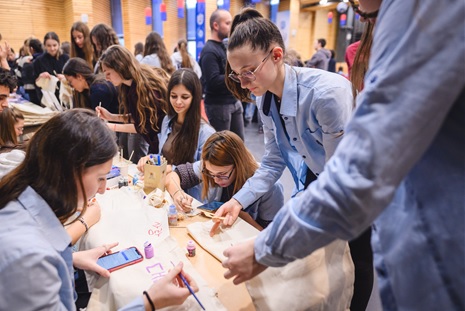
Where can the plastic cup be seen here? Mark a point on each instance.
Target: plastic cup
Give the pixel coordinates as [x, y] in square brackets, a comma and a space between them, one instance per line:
[123, 168]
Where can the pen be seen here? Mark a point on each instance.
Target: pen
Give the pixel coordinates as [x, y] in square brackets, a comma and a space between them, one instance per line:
[158, 159]
[189, 288]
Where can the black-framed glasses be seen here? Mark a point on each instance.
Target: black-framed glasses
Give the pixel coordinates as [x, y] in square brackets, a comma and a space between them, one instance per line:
[248, 76]
[222, 177]
[365, 15]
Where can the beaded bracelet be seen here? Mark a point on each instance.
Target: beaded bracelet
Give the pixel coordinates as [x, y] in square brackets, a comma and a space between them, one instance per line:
[83, 222]
[150, 300]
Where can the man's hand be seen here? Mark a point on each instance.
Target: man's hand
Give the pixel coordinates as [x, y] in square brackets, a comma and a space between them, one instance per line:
[230, 210]
[241, 263]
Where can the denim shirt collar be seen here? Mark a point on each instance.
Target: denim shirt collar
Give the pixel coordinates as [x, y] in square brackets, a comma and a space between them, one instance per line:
[290, 94]
[42, 213]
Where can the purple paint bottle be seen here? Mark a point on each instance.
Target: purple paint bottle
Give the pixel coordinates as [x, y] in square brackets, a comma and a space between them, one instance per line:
[191, 248]
[148, 250]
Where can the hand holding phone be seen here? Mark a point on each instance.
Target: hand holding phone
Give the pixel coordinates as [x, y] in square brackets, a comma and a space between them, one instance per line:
[120, 259]
[87, 260]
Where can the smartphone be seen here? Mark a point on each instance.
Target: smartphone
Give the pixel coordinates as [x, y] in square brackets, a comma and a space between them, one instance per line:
[121, 259]
[211, 206]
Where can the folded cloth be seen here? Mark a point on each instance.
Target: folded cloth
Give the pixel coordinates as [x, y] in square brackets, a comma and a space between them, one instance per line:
[46, 84]
[10, 160]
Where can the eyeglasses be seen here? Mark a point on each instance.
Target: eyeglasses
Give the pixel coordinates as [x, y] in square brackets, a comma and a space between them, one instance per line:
[364, 15]
[222, 177]
[248, 76]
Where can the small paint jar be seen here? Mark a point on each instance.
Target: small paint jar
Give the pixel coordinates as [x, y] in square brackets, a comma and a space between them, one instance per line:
[191, 248]
[148, 250]
[172, 216]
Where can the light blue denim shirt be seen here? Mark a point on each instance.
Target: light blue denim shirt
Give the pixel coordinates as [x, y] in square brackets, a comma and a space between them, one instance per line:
[315, 107]
[36, 264]
[206, 130]
[401, 162]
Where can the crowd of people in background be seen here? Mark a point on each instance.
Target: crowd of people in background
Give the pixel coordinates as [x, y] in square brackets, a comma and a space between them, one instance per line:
[361, 147]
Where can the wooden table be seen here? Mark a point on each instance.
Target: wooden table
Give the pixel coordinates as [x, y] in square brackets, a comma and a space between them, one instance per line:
[127, 217]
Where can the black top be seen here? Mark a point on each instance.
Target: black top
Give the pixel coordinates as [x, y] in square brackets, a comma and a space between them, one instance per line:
[213, 64]
[104, 92]
[48, 63]
[151, 137]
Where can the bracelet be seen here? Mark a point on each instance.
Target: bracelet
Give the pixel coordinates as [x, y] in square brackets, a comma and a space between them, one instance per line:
[150, 300]
[175, 193]
[83, 222]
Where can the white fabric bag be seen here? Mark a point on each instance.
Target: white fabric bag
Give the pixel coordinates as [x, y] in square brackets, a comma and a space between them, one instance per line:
[321, 281]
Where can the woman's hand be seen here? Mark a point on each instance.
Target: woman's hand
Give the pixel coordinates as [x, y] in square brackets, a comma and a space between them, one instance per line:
[170, 290]
[230, 210]
[87, 260]
[92, 213]
[142, 162]
[102, 113]
[45, 75]
[182, 200]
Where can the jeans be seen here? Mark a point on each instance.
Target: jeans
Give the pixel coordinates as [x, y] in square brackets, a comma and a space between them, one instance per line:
[226, 117]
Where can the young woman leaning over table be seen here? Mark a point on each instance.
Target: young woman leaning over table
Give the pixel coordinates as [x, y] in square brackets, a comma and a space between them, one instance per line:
[225, 166]
[37, 258]
[142, 96]
[89, 89]
[183, 131]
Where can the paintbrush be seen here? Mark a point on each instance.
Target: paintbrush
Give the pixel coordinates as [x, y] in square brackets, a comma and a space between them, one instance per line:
[188, 287]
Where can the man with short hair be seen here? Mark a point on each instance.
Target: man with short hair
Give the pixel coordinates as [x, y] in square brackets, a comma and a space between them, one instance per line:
[7, 85]
[321, 58]
[223, 110]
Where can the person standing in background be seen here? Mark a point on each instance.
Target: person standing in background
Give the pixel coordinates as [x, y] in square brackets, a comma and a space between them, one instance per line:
[321, 58]
[51, 62]
[223, 110]
[139, 51]
[102, 37]
[182, 59]
[81, 45]
[155, 53]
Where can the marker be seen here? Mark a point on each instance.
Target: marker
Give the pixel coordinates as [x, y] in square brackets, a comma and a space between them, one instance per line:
[158, 160]
[188, 287]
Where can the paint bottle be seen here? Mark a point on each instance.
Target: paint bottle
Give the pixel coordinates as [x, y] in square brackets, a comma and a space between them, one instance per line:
[191, 248]
[173, 216]
[148, 250]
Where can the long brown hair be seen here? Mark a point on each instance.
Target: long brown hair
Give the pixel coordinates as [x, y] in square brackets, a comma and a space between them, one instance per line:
[154, 45]
[190, 128]
[8, 118]
[361, 60]
[85, 52]
[186, 60]
[105, 36]
[250, 27]
[150, 88]
[226, 148]
[56, 158]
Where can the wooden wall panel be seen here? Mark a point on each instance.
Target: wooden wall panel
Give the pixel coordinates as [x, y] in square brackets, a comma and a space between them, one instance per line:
[22, 19]
[174, 28]
[101, 12]
[134, 26]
